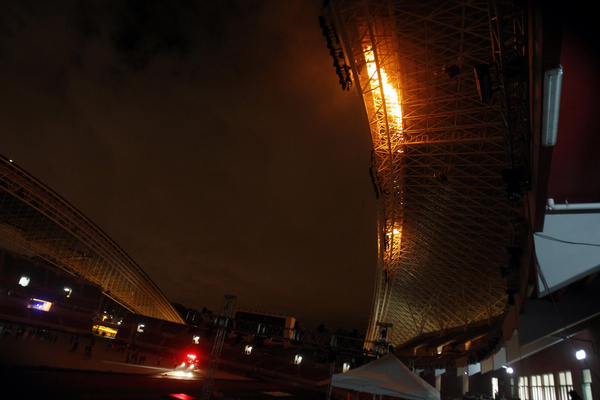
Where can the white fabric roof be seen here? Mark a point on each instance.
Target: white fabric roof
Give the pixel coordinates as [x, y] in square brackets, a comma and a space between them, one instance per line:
[386, 376]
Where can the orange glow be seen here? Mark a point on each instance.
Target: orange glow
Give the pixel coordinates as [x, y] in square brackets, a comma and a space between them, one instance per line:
[391, 96]
[388, 135]
[105, 331]
[394, 232]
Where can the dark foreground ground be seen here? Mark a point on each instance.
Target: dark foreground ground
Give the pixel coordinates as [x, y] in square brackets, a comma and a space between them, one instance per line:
[58, 365]
[44, 383]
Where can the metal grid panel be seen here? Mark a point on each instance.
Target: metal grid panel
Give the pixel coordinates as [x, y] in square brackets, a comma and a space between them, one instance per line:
[41, 223]
[445, 219]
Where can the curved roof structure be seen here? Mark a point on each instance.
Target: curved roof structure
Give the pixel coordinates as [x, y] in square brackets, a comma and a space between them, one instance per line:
[41, 223]
[444, 148]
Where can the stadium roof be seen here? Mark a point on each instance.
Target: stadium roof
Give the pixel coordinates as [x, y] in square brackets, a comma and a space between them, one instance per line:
[41, 223]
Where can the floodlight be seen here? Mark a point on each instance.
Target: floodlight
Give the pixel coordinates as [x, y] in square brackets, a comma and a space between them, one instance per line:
[580, 354]
[551, 105]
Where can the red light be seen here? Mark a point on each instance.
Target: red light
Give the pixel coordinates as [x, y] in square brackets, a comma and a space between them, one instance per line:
[191, 356]
[181, 396]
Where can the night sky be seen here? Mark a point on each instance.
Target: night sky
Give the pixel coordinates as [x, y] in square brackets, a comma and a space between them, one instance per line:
[211, 140]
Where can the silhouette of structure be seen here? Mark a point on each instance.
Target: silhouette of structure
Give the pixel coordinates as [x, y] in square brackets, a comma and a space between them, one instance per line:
[41, 224]
[443, 146]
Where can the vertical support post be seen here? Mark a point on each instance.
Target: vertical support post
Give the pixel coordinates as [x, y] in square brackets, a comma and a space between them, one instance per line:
[221, 321]
[331, 371]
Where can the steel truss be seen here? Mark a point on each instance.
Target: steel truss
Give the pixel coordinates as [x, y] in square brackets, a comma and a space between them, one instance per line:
[508, 27]
[42, 224]
[299, 338]
[438, 157]
[221, 321]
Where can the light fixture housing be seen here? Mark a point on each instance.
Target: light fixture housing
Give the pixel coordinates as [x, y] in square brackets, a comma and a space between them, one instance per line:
[551, 105]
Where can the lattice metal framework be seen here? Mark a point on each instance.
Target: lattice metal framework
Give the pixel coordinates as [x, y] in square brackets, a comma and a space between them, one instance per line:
[41, 223]
[438, 157]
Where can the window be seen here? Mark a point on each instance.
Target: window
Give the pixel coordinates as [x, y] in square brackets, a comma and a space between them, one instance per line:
[495, 387]
[105, 331]
[536, 388]
[524, 388]
[549, 391]
[565, 385]
[542, 387]
[512, 387]
[586, 379]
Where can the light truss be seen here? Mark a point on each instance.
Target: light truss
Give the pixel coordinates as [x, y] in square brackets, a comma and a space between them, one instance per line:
[438, 156]
[42, 224]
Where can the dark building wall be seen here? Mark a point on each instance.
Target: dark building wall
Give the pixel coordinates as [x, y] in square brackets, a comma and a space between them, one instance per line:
[158, 334]
[552, 360]
[72, 310]
[482, 384]
[451, 384]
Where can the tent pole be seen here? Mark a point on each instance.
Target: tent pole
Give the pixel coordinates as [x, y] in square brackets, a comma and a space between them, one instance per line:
[331, 371]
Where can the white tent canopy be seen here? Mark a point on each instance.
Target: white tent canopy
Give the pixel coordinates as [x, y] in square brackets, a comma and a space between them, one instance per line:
[386, 376]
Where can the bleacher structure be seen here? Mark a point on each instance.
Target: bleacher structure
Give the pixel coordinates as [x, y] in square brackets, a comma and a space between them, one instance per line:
[447, 158]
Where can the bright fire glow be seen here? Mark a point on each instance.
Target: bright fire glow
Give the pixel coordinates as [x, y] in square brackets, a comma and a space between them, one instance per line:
[394, 231]
[389, 133]
[391, 97]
